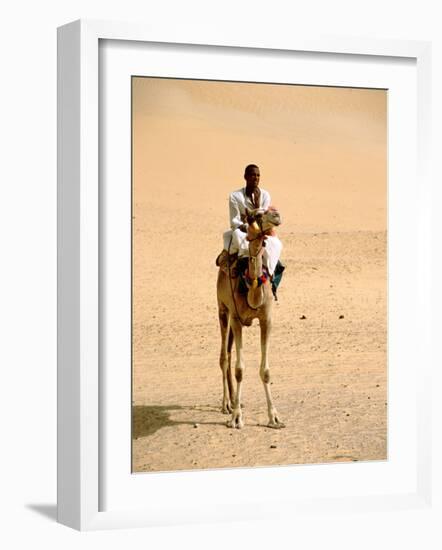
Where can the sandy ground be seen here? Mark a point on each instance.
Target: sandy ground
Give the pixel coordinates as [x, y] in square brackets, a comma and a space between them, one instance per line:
[328, 373]
[328, 346]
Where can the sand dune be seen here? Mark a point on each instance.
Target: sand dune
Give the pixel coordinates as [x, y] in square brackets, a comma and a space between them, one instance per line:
[322, 152]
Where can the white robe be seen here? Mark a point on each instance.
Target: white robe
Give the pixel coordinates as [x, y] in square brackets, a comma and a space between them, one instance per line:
[235, 240]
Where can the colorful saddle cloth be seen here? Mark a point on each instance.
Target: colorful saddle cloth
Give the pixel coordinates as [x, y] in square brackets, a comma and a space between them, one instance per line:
[242, 266]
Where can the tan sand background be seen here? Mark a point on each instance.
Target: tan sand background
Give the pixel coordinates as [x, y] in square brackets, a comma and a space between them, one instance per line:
[322, 153]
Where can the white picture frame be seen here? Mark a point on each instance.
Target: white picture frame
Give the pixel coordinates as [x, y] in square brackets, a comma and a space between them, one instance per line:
[79, 276]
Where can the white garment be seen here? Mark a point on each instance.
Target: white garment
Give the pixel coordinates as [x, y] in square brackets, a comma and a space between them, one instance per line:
[235, 240]
[239, 201]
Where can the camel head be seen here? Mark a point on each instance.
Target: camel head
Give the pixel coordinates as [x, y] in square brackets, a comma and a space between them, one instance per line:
[263, 221]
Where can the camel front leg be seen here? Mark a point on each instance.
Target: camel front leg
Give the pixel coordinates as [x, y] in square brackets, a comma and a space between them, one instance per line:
[265, 325]
[229, 367]
[237, 420]
[224, 361]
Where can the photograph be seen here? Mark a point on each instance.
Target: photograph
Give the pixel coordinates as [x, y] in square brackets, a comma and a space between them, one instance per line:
[259, 274]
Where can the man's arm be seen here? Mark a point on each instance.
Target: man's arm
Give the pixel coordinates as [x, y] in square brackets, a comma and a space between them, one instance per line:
[265, 200]
[235, 213]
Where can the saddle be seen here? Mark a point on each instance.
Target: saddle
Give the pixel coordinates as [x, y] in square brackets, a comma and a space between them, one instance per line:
[238, 268]
[228, 263]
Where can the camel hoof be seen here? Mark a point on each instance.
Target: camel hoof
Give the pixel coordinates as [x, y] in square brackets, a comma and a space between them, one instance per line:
[276, 424]
[235, 422]
[232, 424]
[227, 409]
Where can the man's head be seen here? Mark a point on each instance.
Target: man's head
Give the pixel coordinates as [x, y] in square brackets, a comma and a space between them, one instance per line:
[251, 175]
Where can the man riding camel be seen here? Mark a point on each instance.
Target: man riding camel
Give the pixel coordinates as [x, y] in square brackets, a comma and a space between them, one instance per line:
[235, 240]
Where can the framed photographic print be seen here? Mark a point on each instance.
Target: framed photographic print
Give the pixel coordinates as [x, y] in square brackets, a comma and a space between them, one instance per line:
[207, 194]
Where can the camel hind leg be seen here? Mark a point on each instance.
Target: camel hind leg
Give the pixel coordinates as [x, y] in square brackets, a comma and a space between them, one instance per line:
[225, 358]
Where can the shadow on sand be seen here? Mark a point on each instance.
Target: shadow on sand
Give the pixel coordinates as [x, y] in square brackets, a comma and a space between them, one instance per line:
[147, 420]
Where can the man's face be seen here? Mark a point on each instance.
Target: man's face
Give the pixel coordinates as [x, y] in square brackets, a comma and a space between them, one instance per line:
[252, 178]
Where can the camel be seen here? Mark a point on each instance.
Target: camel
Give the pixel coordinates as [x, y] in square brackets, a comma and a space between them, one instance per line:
[236, 310]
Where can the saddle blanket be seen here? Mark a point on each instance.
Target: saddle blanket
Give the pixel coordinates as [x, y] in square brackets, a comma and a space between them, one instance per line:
[242, 266]
[236, 242]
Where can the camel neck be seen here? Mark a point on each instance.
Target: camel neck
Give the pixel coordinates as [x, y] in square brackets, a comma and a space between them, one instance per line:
[255, 294]
[255, 258]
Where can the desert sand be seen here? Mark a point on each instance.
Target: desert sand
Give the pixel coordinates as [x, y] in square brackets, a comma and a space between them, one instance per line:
[322, 155]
